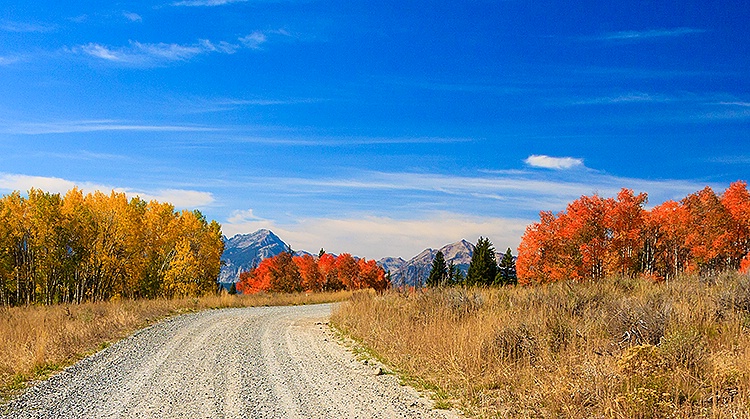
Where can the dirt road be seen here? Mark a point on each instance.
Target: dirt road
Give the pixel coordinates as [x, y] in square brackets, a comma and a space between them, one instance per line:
[265, 362]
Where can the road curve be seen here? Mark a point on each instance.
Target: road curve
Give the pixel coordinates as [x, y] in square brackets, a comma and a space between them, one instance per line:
[262, 362]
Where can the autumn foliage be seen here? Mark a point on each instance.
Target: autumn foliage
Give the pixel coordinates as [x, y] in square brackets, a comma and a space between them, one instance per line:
[95, 247]
[287, 273]
[595, 237]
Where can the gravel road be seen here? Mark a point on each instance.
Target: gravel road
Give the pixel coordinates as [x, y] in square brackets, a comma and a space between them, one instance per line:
[263, 362]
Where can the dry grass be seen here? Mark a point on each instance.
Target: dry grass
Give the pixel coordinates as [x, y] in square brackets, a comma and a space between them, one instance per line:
[38, 340]
[620, 348]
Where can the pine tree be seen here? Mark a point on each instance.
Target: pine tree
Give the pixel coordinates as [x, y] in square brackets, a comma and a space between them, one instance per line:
[451, 280]
[439, 273]
[483, 266]
[458, 276]
[506, 272]
[233, 289]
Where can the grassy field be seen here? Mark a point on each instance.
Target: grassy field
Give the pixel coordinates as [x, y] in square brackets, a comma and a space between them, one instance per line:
[619, 348]
[36, 341]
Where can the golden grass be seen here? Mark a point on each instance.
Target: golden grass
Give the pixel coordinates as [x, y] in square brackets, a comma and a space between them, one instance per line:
[38, 340]
[619, 348]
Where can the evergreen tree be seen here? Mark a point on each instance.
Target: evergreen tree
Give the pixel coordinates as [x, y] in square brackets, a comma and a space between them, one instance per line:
[483, 266]
[451, 273]
[455, 275]
[233, 289]
[458, 276]
[506, 272]
[439, 273]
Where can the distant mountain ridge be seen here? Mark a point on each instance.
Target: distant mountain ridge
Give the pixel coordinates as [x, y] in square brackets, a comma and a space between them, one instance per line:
[415, 271]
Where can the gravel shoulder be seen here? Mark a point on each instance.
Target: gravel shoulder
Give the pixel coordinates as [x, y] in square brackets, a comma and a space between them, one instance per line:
[261, 362]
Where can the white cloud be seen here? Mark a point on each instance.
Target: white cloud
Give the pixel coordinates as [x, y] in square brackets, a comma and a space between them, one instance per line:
[378, 237]
[730, 110]
[139, 54]
[254, 40]
[740, 104]
[206, 2]
[25, 27]
[196, 105]
[79, 18]
[8, 60]
[636, 97]
[557, 163]
[64, 127]
[133, 17]
[244, 216]
[650, 34]
[101, 52]
[322, 141]
[180, 198]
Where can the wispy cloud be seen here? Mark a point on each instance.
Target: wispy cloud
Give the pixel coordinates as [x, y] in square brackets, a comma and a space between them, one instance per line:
[727, 115]
[8, 60]
[524, 191]
[254, 40]
[196, 3]
[337, 141]
[84, 155]
[635, 97]
[649, 34]
[137, 54]
[133, 17]
[557, 163]
[741, 159]
[739, 104]
[64, 127]
[145, 55]
[727, 110]
[206, 105]
[26, 27]
[180, 198]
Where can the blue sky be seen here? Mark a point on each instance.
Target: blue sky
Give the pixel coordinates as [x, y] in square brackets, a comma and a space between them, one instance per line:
[376, 128]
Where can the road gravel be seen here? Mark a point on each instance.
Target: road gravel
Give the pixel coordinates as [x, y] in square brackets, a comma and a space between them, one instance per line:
[262, 362]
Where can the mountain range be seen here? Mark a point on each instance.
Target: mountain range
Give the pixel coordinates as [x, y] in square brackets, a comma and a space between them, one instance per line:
[416, 270]
[242, 252]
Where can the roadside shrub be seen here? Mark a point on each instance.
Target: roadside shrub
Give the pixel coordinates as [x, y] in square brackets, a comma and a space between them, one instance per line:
[737, 296]
[559, 332]
[684, 349]
[514, 344]
[461, 302]
[637, 322]
[646, 388]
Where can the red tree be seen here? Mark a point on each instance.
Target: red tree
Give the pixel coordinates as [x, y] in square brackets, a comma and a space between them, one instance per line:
[595, 237]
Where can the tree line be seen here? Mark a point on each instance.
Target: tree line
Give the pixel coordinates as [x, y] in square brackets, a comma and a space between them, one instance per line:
[92, 247]
[326, 272]
[484, 269]
[594, 237]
